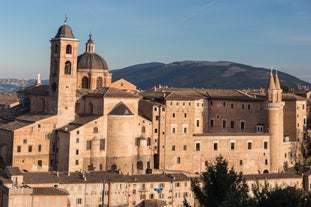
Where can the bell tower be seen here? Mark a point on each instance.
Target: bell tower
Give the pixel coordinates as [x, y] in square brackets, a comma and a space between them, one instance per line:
[274, 106]
[63, 74]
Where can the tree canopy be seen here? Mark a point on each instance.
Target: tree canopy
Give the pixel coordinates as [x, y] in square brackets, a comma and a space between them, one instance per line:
[223, 187]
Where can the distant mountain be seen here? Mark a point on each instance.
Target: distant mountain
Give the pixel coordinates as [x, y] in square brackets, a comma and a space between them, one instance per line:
[202, 74]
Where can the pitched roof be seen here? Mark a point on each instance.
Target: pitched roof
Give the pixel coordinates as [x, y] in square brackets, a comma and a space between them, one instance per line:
[271, 176]
[120, 109]
[13, 171]
[194, 94]
[158, 177]
[23, 121]
[49, 191]
[80, 121]
[292, 97]
[110, 92]
[98, 177]
[42, 90]
[153, 203]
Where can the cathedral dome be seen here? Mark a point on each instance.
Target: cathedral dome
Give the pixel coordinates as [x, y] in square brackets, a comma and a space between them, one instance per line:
[91, 60]
[64, 31]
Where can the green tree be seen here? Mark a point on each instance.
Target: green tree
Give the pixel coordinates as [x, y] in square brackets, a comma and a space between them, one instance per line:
[279, 197]
[222, 187]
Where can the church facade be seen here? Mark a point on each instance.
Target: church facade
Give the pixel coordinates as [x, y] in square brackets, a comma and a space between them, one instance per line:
[83, 121]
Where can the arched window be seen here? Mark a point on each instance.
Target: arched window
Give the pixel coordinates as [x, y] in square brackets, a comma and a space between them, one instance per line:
[55, 50]
[68, 49]
[68, 68]
[140, 165]
[85, 82]
[113, 167]
[143, 129]
[99, 82]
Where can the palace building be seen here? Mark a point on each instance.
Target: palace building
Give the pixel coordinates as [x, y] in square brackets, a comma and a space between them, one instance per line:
[83, 121]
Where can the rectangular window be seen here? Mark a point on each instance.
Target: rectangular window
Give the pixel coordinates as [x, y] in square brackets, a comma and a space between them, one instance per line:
[79, 201]
[265, 145]
[249, 145]
[224, 123]
[88, 145]
[185, 115]
[77, 140]
[232, 145]
[231, 106]
[77, 152]
[241, 162]
[173, 130]
[40, 163]
[232, 124]
[197, 123]
[155, 131]
[178, 160]
[173, 148]
[173, 115]
[77, 162]
[242, 125]
[212, 123]
[19, 148]
[242, 106]
[30, 148]
[185, 130]
[102, 144]
[224, 103]
[197, 146]
[185, 147]
[215, 146]
[266, 162]
[248, 106]
[39, 148]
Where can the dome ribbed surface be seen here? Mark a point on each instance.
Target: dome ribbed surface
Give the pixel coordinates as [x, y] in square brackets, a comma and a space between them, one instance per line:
[91, 61]
[64, 31]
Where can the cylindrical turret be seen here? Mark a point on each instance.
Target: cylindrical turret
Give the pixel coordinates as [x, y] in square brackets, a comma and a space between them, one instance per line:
[120, 139]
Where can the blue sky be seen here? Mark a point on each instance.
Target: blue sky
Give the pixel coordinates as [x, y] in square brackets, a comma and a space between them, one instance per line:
[127, 32]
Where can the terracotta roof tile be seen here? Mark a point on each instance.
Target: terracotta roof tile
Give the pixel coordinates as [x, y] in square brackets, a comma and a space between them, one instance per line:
[271, 176]
[49, 191]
